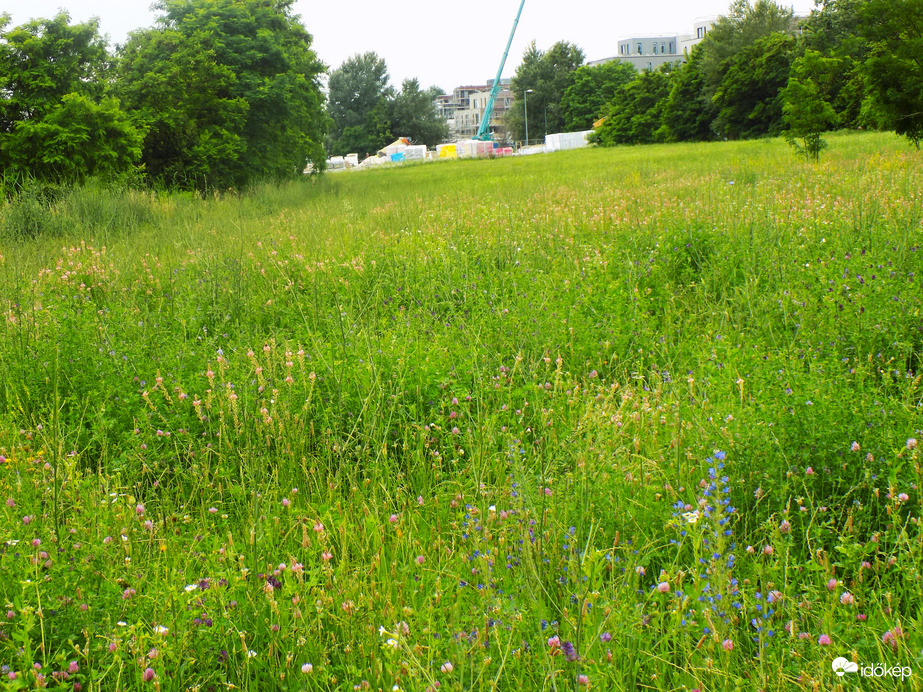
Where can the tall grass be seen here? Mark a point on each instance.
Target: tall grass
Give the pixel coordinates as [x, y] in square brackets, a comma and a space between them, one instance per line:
[619, 419]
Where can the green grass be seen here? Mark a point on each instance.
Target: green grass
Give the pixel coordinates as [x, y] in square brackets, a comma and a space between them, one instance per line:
[464, 413]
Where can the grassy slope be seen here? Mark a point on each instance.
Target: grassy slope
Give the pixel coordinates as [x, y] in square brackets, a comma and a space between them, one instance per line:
[566, 339]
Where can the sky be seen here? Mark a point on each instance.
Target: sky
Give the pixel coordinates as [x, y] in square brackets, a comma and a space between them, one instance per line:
[444, 44]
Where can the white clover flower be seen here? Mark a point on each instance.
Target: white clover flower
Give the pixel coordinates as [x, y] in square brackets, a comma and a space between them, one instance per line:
[691, 517]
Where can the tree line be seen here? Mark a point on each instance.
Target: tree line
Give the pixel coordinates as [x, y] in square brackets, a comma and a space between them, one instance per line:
[216, 95]
[759, 71]
[220, 93]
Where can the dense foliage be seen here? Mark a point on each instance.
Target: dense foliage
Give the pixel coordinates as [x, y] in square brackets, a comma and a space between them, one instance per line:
[58, 121]
[749, 76]
[229, 92]
[546, 76]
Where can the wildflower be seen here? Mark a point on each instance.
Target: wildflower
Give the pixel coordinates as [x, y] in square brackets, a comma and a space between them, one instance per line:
[139, 510]
[307, 668]
[286, 502]
[554, 643]
[691, 517]
[824, 640]
[903, 497]
[548, 492]
[212, 510]
[847, 598]
[190, 587]
[393, 519]
[128, 593]
[785, 526]
[640, 570]
[912, 443]
[831, 585]
[447, 667]
[420, 559]
[767, 550]
[583, 680]
[318, 527]
[251, 653]
[160, 629]
[392, 642]
[148, 674]
[73, 668]
[326, 555]
[570, 651]
[855, 447]
[727, 645]
[663, 587]
[809, 471]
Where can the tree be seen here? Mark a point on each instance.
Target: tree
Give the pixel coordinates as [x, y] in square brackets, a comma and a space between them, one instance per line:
[636, 113]
[805, 111]
[230, 91]
[831, 31]
[592, 88]
[687, 113]
[413, 114]
[744, 24]
[748, 100]
[894, 68]
[357, 103]
[547, 74]
[56, 122]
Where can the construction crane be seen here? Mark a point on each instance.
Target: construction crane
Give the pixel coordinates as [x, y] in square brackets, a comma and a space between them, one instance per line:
[484, 129]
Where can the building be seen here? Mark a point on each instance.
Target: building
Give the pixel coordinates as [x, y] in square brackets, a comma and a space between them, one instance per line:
[464, 109]
[651, 52]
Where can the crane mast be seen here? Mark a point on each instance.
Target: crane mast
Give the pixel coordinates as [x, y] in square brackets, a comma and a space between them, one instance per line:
[484, 129]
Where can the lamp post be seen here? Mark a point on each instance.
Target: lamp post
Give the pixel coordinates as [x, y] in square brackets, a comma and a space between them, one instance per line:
[525, 108]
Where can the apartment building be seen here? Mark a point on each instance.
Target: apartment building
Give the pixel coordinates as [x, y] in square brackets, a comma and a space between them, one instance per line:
[650, 52]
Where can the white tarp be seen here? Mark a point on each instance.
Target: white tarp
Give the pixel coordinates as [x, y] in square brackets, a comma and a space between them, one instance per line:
[563, 141]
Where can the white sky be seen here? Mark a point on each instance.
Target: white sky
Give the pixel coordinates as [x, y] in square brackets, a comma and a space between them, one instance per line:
[446, 44]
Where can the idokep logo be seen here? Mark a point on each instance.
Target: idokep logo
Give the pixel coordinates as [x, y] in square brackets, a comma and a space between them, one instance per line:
[841, 666]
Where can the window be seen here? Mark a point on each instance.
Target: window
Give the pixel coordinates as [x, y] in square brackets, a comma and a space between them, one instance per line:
[663, 48]
[639, 48]
[655, 49]
[671, 47]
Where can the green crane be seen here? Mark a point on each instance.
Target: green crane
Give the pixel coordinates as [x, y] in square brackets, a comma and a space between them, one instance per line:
[484, 129]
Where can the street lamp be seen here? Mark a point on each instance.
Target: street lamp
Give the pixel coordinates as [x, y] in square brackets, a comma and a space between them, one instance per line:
[525, 108]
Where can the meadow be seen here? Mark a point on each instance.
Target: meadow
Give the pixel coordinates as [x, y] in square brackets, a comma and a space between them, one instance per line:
[642, 418]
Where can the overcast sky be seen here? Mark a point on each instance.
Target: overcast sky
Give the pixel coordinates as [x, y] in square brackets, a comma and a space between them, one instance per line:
[446, 44]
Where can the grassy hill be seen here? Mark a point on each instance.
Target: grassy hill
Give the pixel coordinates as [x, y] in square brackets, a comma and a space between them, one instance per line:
[635, 418]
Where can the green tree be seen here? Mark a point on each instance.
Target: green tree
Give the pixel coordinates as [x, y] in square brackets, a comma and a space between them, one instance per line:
[687, 113]
[230, 90]
[805, 111]
[547, 74]
[894, 68]
[413, 114]
[831, 31]
[592, 88]
[56, 122]
[745, 23]
[357, 103]
[636, 113]
[748, 98]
